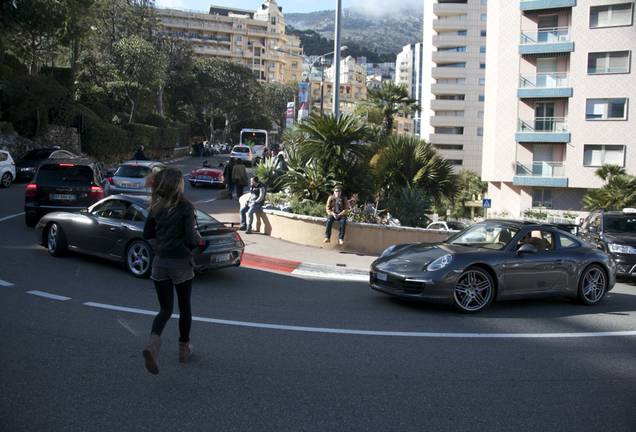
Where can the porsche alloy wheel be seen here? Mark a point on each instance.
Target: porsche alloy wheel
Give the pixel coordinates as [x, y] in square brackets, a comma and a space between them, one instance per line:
[474, 290]
[56, 240]
[139, 259]
[592, 285]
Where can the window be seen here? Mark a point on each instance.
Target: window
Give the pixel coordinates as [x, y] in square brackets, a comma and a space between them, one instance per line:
[483, 17]
[455, 161]
[483, 33]
[239, 26]
[542, 198]
[484, 1]
[611, 15]
[239, 38]
[271, 64]
[453, 49]
[294, 65]
[273, 20]
[482, 49]
[461, 33]
[457, 65]
[482, 98]
[480, 114]
[449, 146]
[482, 65]
[451, 81]
[605, 109]
[608, 62]
[482, 81]
[596, 155]
[480, 131]
[449, 113]
[273, 30]
[450, 97]
[449, 130]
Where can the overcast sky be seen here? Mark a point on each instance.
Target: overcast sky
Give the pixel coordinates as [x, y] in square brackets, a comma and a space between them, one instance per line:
[289, 6]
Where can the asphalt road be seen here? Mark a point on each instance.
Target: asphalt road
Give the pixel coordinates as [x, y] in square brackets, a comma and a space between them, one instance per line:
[282, 353]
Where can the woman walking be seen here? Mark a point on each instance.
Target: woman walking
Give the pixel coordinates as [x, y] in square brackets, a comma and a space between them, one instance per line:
[171, 221]
[239, 176]
[227, 176]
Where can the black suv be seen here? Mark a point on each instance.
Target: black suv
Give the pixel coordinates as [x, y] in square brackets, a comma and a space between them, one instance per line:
[614, 232]
[63, 185]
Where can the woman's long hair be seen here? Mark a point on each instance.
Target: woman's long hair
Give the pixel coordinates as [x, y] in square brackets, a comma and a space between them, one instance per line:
[165, 189]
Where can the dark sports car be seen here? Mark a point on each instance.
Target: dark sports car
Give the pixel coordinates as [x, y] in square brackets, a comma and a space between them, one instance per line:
[113, 229]
[211, 175]
[496, 259]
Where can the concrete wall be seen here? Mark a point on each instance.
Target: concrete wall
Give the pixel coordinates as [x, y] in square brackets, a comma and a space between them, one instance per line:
[361, 238]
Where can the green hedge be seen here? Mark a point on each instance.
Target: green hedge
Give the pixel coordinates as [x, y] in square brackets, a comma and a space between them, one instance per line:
[102, 111]
[102, 140]
[152, 138]
[152, 119]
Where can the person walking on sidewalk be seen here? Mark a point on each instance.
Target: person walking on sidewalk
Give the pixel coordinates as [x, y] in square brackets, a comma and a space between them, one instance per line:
[337, 209]
[227, 176]
[171, 221]
[239, 177]
[254, 203]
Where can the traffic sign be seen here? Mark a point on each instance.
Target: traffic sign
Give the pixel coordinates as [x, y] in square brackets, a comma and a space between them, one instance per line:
[486, 203]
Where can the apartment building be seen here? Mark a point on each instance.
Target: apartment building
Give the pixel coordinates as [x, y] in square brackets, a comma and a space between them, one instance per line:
[247, 37]
[353, 84]
[408, 72]
[558, 85]
[453, 79]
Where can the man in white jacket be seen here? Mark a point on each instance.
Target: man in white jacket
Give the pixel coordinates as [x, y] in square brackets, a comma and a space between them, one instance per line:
[254, 203]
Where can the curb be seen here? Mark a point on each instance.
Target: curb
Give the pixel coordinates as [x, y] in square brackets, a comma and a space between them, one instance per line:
[304, 269]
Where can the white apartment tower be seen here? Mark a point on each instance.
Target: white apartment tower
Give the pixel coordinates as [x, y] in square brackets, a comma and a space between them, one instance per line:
[409, 72]
[453, 79]
[558, 87]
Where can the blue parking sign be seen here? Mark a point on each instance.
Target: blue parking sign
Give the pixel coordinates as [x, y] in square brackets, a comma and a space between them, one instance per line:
[486, 203]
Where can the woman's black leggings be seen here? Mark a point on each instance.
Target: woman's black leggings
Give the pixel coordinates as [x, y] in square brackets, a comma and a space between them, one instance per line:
[165, 293]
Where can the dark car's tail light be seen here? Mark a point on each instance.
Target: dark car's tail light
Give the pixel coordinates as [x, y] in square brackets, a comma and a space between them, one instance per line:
[66, 164]
[110, 180]
[31, 190]
[97, 192]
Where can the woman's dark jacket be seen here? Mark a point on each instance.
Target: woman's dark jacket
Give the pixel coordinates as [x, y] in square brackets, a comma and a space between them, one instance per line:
[174, 231]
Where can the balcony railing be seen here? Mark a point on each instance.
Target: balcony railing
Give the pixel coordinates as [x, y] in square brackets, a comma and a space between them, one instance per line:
[544, 80]
[543, 124]
[560, 34]
[541, 169]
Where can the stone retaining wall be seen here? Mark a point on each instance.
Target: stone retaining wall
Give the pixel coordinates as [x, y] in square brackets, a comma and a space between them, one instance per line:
[360, 237]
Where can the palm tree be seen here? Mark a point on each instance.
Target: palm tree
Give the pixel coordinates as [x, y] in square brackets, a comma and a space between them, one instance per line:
[606, 172]
[407, 161]
[391, 99]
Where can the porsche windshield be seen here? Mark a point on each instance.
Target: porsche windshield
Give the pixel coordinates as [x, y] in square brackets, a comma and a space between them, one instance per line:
[490, 235]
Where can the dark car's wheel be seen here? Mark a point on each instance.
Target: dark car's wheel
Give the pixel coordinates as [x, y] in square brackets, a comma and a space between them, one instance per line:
[7, 179]
[56, 240]
[139, 259]
[31, 221]
[592, 285]
[474, 290]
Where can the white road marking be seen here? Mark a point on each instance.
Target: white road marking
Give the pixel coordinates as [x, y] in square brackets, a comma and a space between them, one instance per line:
[380, 333]
[12, 216]
[5, 283]
[332, 272]
[48, 295]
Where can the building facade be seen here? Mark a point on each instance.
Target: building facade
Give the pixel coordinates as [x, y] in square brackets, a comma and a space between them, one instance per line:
[558, 85]
[409, 73]
[247, 37]
[453, 79]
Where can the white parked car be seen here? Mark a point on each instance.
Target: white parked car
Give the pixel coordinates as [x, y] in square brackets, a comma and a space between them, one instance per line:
[447, 226]
[246, 153]
[130, 177]
[7, 169]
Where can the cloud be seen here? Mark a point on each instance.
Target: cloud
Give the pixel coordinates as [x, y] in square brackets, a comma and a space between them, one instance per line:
[169, 4]
[379, 7]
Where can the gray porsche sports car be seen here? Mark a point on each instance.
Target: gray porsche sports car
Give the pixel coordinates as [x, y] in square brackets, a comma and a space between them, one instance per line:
[113, 229]
[496, 259]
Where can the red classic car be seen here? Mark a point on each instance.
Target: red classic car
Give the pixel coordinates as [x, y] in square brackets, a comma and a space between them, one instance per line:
[207, 174]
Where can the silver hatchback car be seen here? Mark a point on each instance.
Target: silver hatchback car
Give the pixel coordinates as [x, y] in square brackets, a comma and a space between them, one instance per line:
[130, 177]
[7, 169]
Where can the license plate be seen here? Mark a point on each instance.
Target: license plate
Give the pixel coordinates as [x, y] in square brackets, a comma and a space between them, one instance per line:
[222, 257]
[129, 185]
[205, 177]
[63, 197]
[381, 276]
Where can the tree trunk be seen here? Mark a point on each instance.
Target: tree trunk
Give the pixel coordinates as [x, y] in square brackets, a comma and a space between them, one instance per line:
[160, 100]
[37, 124]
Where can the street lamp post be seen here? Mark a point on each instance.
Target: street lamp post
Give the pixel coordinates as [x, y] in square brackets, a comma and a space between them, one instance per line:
[311, 66]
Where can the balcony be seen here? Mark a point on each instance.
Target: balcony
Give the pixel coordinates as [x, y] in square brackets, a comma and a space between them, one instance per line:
[551, 84]
[540, 174]
[554, 40]
[526, 5]
[543, 129]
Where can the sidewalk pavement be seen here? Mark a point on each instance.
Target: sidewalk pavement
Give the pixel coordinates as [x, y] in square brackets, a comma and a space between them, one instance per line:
[265, 252]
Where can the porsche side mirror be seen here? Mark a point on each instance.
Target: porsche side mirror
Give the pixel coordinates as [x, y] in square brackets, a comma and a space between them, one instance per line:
[526, 248]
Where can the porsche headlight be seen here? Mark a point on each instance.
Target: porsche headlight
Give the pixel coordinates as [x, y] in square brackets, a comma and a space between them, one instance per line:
[623, 249]
[388, 250]
[440, 263]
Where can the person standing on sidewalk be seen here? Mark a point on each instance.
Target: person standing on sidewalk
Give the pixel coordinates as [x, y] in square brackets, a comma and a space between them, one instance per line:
[171, 221]
[337, 209]
[239, 177]
[253, 204]
[227, 176]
